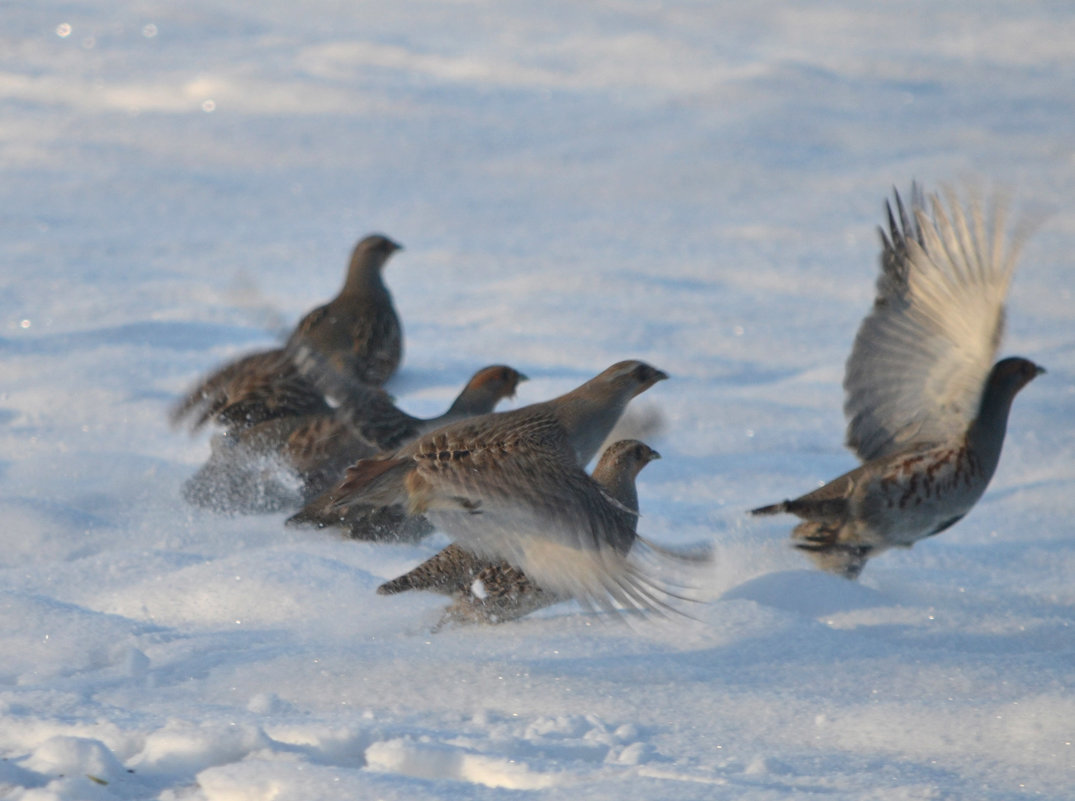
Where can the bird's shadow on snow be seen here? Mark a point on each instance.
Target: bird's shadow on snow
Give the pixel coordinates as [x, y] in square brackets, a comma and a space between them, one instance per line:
[807, 592]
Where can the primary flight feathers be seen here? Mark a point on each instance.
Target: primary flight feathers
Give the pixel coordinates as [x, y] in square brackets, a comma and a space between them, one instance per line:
[495, 592]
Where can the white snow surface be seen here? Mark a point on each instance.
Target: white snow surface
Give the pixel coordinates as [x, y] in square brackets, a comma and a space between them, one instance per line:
[694, 184]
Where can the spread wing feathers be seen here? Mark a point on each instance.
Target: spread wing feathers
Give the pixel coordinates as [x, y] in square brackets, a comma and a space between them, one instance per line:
[922, 355]
[567, 538]
[522, 498]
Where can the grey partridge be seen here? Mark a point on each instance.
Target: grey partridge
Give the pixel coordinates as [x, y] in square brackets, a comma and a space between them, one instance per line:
[927, 409]
[355, 338]
[510, 487]
[496, 592]
[358, 332]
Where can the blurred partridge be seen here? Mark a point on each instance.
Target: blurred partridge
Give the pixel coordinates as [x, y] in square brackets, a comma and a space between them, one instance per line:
[355, 338]
[287, 461]
[255, 388]
[927, 409]
[495, 592]
[510, 487]
[357, 332]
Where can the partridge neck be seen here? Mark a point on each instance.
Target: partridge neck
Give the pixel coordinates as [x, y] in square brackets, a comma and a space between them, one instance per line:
[986, 434]
[472, 401]
[588, 421]
[362, 278]
[621, 486]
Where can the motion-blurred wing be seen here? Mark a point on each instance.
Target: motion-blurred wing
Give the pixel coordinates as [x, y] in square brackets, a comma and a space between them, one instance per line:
[531, 505]
[259, 387]
[922, 355]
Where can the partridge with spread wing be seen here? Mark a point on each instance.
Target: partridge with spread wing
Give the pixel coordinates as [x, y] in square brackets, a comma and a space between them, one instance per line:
[496, 592]
[510, 487]
[926, 406]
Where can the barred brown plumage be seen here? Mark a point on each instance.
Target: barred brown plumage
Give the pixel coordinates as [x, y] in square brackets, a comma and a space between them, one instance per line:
[495, 592]
[355, 337]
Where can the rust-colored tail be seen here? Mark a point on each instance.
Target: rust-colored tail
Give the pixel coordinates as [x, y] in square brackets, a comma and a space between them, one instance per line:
[375, 482]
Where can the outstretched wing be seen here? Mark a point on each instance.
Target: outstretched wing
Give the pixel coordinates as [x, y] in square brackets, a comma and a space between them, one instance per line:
[922, 355]
[523, 499]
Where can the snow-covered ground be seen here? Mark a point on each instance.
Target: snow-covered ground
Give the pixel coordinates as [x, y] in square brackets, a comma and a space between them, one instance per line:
[694, 184]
